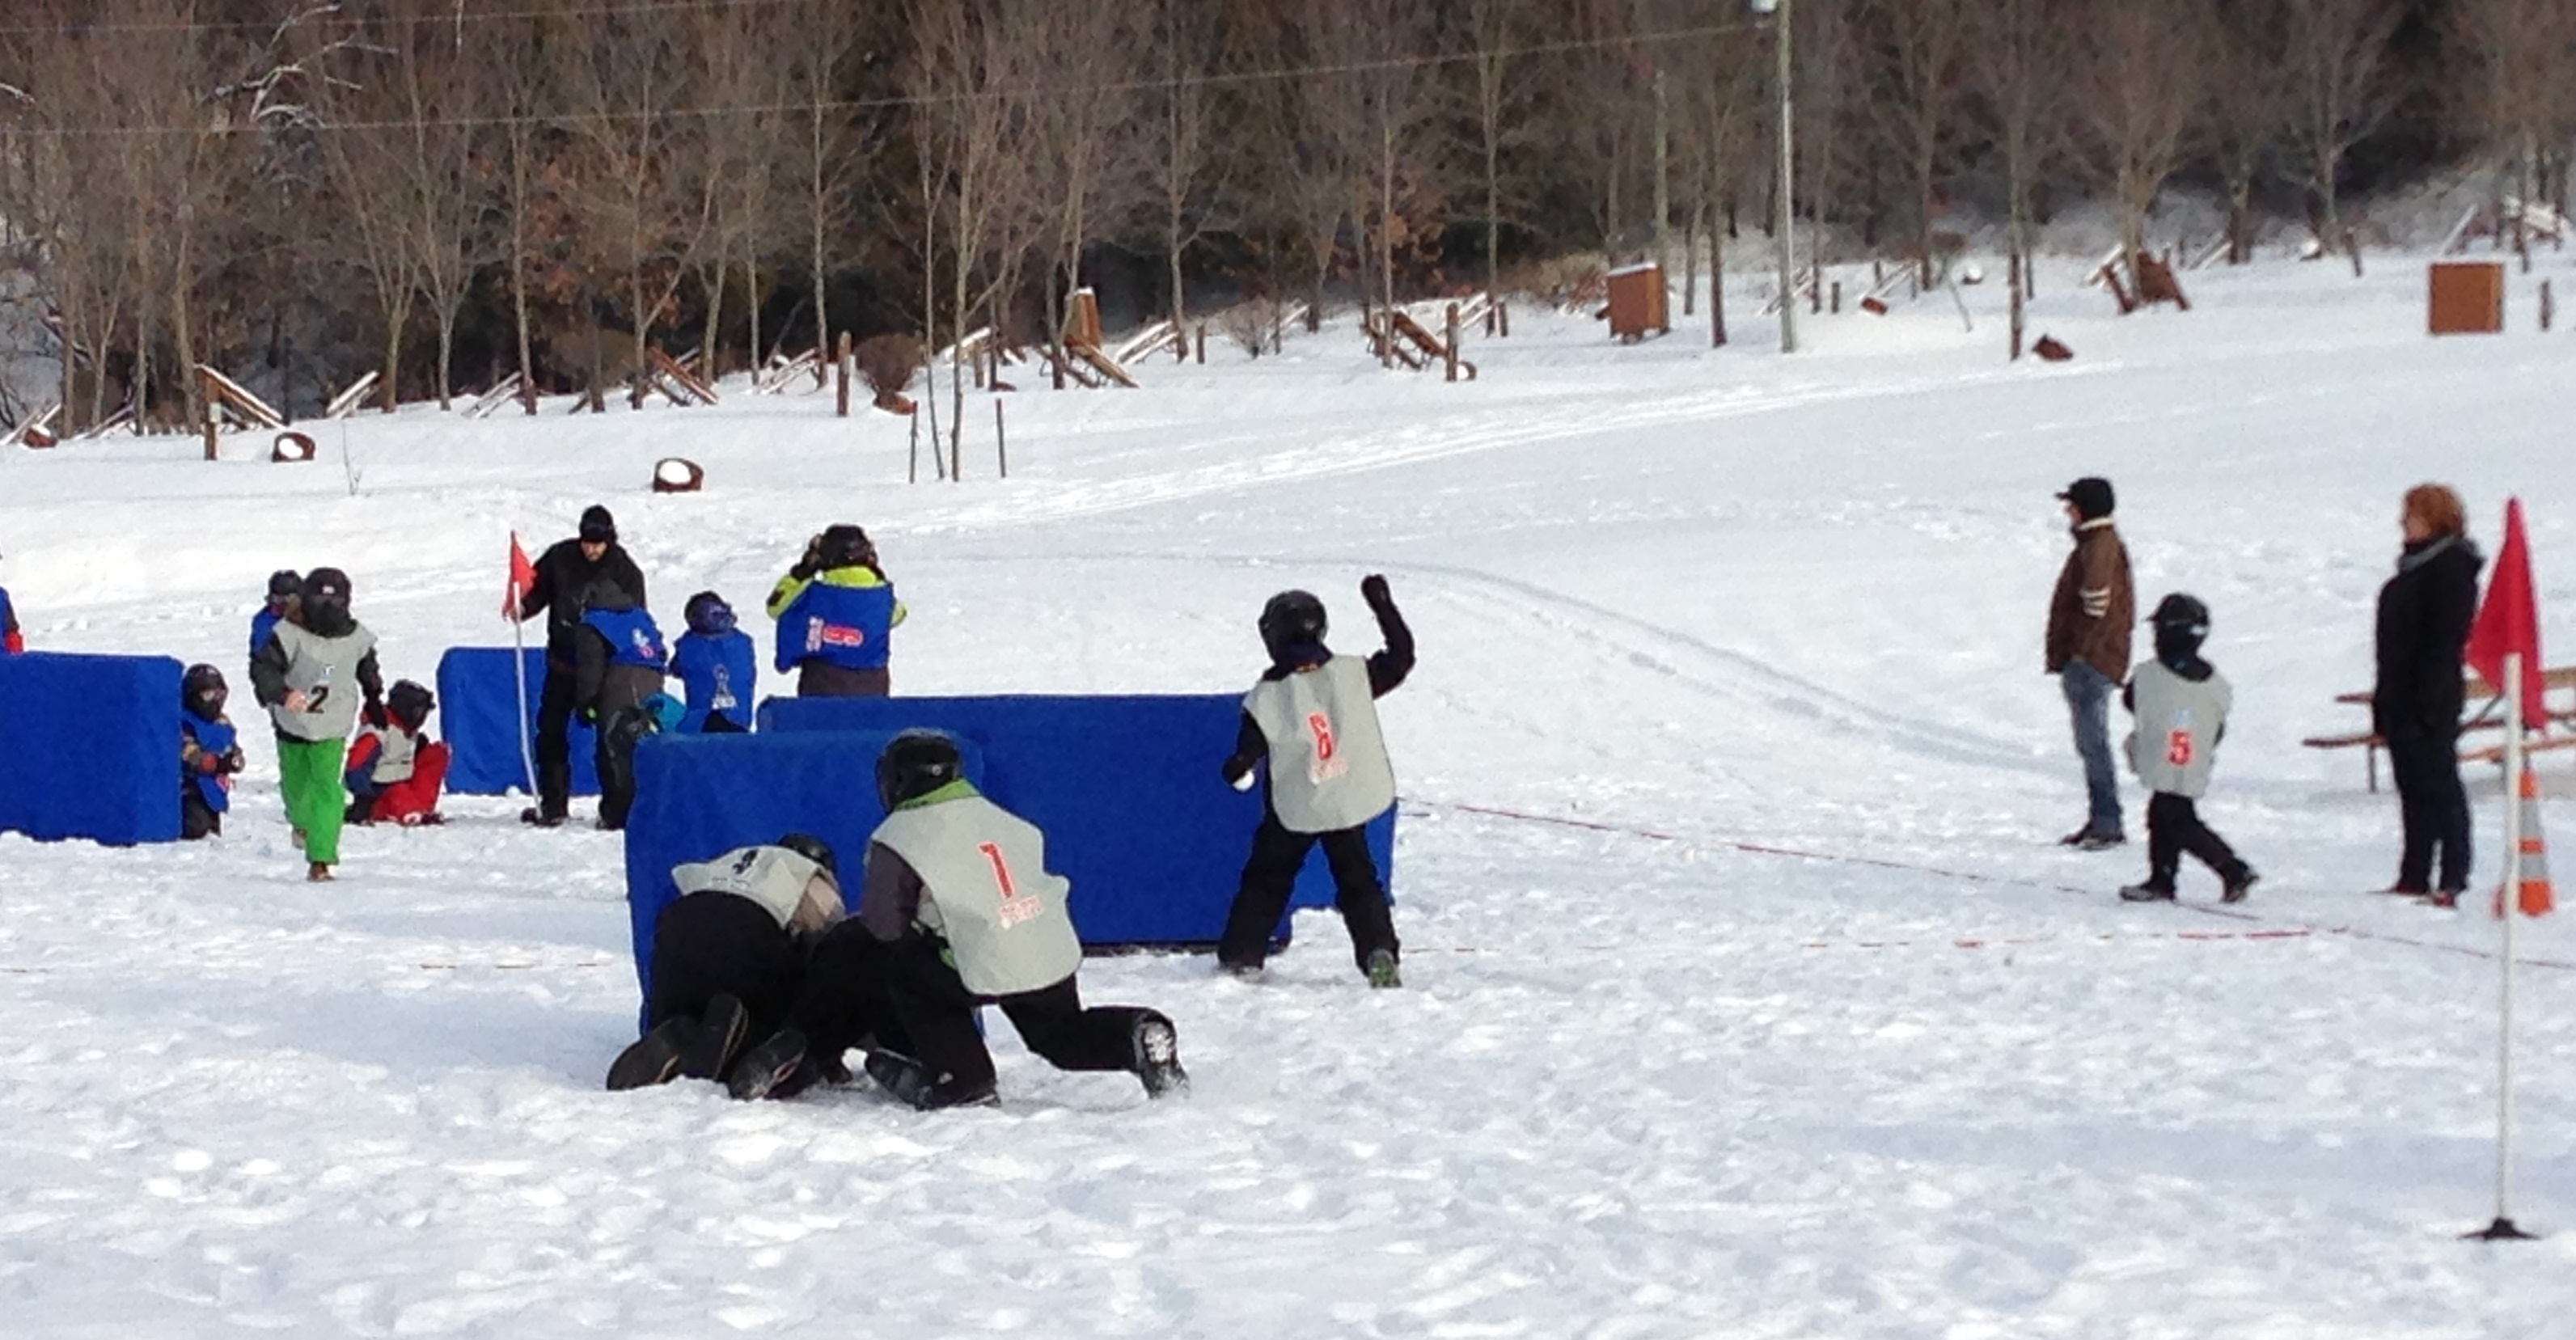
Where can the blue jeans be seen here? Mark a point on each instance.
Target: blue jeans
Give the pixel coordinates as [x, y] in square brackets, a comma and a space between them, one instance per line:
[2088, 700]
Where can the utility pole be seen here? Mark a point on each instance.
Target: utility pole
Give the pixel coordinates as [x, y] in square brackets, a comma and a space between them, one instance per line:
[1786, 215]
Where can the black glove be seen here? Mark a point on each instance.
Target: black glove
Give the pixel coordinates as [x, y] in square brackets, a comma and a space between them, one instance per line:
[233, 760]
[374, 713]
[589, 716]
[1373, 590]
[811, 563]
[1238, 771]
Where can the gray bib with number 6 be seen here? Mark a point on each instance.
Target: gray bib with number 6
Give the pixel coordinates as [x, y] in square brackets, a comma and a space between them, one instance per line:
[1328, 765]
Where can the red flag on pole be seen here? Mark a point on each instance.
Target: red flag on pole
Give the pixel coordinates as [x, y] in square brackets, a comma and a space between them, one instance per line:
[2509, 621]
[523, 579]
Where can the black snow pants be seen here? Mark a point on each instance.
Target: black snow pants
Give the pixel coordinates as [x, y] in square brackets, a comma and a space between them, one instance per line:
[934, 1020]
[554, 740]
[711, 944]
[2173, 829]
[1270, 878]
[2434, 807]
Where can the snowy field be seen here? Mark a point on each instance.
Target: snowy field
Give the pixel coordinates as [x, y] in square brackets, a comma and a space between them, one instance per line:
[1658, 1077]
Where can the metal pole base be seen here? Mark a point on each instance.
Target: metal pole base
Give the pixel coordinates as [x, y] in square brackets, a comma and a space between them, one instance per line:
[2502, 1230]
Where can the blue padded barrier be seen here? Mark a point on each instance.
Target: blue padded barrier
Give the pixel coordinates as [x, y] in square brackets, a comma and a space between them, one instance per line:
[1125, 788]
[478, 706]
[89, 747]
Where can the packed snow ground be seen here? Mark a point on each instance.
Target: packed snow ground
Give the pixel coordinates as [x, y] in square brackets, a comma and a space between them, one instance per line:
[1680, 1085]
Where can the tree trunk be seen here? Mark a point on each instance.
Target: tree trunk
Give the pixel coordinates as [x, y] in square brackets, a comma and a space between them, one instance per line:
[1716, 285]
[519, 262]
[446, 355]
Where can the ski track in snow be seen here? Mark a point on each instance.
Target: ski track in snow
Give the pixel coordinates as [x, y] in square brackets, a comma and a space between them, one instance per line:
[1936, 1083]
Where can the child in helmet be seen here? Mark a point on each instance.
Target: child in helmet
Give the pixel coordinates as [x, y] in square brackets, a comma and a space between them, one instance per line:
[210, 754]
[618, 666]
[285, 587]
[311, 675]
[835, 611]
[2181, 704]
[960, 896]
[395, 771]
[718, 668]
[1313, 718]
[727, 965]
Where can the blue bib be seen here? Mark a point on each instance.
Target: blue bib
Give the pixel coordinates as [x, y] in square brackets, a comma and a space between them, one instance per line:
[632, 637]
[261, 625]
[839, 625]
[214, 737]
[718, 675]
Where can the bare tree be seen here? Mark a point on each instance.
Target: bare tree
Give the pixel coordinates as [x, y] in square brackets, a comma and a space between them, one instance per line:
[831, 152]
[2515, 101]
[445, 194]
[2143, 67]
[1495, 31]
[1083, 128]
[1912, 51]
[1187, 43]
[2020, 49]
[2249, 106]
[1723, 121]
[2339, 73]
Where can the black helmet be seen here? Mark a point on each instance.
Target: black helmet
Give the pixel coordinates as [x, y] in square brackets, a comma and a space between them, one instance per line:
[2091, 497]
[915, 764]
[409, 704]
[708, 615]
[846, 547]
[2183, 614]
[203, 688]
[813, 849]
[284, 584]
[1292, 618]
[326, 601]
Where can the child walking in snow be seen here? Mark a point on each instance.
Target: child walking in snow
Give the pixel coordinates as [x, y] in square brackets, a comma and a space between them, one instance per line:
[395, 770]
[209, 753]
[2181, 704]
[312, 675]
[1313, 717]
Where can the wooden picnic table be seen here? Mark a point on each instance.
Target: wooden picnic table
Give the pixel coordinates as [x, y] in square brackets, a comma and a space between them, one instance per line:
[2489, 716]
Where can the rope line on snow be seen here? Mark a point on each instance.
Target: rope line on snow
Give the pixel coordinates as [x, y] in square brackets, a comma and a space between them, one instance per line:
[1966, 876]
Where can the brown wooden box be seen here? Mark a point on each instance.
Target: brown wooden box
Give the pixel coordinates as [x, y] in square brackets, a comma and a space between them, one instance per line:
[1082, 321]
[2467, 297]
[1637, 302]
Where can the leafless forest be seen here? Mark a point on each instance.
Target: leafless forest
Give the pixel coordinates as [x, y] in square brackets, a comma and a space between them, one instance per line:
[448, 191]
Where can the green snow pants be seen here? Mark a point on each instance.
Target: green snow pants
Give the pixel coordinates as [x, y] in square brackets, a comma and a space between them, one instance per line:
[316, 799]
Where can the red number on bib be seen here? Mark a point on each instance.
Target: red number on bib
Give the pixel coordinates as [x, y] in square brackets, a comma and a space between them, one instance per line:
[2178, 748]
[1001, 869]
[1322, 726]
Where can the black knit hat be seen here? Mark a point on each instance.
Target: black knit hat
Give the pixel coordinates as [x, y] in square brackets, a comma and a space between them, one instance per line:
[2091, 496]
[284, 582]
[597, 526]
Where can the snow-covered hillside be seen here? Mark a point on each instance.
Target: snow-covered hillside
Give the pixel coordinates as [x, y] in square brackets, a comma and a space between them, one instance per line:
[1811, 1032]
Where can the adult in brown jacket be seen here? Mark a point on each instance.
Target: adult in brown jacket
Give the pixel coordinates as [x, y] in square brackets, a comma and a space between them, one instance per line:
[2088, 649]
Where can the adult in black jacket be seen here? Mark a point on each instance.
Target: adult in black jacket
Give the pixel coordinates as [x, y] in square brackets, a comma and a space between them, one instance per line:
[565, 573]
[2424, 616]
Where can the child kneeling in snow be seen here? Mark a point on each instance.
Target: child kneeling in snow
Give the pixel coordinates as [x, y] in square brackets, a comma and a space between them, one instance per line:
[2181, 703]
[959, 894]
[728, 965]
[209, 753]
[395, 770]
[1313, 718]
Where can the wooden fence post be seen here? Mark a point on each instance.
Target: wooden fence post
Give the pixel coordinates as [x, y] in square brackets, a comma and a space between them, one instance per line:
[1202, 344]
[1452, 333]
[1001, 445]
[912, 470]
[2548, 307]
[1503, 314]
[842, 363]
[1838, 297]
